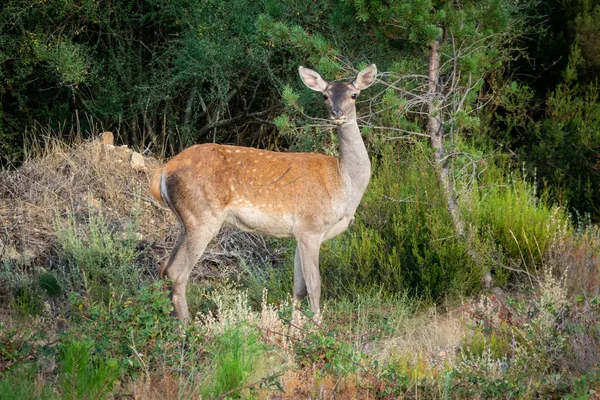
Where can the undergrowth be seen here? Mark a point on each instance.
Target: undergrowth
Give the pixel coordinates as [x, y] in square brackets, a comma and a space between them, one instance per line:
[99, 257]
[398, 321]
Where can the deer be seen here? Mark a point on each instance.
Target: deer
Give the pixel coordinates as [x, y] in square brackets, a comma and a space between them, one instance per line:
[311, 197]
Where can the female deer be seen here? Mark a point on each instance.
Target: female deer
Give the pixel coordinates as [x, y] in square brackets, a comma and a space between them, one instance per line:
[311, 197]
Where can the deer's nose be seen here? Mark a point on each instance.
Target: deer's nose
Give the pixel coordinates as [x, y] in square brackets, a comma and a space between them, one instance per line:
[336, 112]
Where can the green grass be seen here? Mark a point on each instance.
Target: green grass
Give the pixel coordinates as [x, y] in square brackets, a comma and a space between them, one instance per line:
[235, 355]
[22, 383]
[82, 378]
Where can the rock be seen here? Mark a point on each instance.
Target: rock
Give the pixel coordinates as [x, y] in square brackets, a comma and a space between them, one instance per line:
[107, 138]
[487, 280]
[137, 160]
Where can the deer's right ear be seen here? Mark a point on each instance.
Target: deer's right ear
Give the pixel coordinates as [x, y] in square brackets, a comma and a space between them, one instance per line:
[312, 79]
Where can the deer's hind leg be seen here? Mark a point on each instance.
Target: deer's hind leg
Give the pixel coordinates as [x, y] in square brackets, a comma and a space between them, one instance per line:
[196, 234]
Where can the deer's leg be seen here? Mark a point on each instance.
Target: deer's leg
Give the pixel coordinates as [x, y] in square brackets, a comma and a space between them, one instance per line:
[190, 246]
[299, 282]
[299, 287]
[309, 258]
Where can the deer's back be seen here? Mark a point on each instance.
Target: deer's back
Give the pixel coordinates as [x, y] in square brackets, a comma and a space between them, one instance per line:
[265, 191]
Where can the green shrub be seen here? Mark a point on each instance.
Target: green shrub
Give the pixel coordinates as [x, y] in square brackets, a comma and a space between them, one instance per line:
[498, 343]
[325, 350]
[17, 281]
[101, 257]
[511, 212]
[27, 301]
[402, 236]
[48, 282]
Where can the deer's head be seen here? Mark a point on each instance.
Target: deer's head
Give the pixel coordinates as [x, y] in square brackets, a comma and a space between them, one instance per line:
[339, 97]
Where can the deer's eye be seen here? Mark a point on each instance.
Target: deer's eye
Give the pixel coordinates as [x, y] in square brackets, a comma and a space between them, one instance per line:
[354, 96]
[325, 97]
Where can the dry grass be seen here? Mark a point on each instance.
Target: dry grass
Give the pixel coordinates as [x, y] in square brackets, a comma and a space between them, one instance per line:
[88, 177]
[429, 336]
[579, 253]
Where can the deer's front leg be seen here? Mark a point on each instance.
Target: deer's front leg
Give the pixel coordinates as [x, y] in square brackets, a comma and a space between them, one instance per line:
[309, 258]
[299, 282]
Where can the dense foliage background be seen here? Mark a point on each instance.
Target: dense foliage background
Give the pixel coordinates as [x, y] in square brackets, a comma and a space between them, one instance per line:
[166, 74]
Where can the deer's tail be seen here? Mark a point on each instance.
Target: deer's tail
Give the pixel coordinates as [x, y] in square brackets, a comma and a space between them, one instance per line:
[158, 187]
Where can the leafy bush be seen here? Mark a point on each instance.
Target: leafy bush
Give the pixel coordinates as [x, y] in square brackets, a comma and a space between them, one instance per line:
[508, 209]
[326, 351]
[139, 331]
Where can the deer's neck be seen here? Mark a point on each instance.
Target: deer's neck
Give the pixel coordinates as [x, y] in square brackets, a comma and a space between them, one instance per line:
[355, 165]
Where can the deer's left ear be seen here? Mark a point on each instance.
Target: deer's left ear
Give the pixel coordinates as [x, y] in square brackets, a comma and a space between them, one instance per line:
[366, 77]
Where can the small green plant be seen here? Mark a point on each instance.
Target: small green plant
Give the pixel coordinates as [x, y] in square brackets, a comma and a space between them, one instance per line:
[327, 351]
[393, 381]
[48, 282]
[84, 378]
[20, 383]
[16, 280]
[27, 301]
[580, 390]
[235, 353]
[498, 342]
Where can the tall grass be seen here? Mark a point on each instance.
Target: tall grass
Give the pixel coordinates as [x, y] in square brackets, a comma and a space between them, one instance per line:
[519, 224]
[21, 383]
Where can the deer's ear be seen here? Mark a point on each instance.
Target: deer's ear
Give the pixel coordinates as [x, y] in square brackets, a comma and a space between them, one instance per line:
[366, 77]
[312, 79]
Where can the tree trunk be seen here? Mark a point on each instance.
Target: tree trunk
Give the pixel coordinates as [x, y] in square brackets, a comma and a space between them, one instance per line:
[436, 133]
[189, 107]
